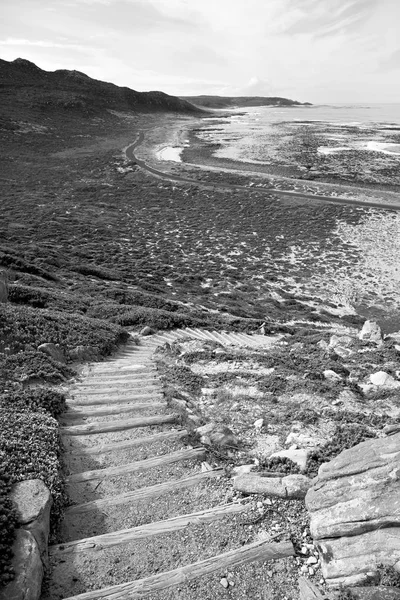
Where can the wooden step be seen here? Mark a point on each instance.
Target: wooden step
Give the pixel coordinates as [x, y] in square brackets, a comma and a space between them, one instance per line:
[150, 439]
[116, 409]
[139, 465]
[141, 588]
[117, 385]
[97, 399]
[144, 493]
[121, 379]
[115, 391]
[124, 536]
[107, 426]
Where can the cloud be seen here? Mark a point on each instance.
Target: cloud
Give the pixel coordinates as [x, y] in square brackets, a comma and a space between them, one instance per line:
[329, 17]
[41, 44]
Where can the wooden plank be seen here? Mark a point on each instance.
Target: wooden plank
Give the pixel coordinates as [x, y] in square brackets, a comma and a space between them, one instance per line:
[139, 465]
[115, 409]
[150, 439]
[151, 380]
[107, 426]
[112, 391]
[124, 536]
[144, 493]
[308, 591]
[149, 585]
[93, 400]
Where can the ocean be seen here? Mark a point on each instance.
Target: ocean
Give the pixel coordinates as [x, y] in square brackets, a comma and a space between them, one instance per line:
[243, 135]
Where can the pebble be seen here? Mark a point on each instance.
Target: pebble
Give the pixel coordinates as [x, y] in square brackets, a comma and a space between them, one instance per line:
[304, 569]
[304, 550]
[311, 571]
[311, 560]
[259, 505]
[268, 501]
[224, 582]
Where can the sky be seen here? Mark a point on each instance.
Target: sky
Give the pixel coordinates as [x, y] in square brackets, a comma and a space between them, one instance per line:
[320, 51]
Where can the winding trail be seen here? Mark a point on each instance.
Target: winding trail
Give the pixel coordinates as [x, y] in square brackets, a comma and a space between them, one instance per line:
[147, 516]
[229, 186]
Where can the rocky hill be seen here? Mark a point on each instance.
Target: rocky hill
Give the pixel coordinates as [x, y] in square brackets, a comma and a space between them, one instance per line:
[25, 85]
[241, 101]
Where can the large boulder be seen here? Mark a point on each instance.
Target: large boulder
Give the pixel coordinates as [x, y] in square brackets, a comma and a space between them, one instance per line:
[354, 506]
[28, 569]
[32, 501]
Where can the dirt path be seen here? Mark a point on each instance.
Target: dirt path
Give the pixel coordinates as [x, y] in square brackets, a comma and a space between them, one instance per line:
[148, 518]
[129, 151]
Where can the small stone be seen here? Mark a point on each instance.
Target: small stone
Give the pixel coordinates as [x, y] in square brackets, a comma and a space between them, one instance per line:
[268, 501]
[259, 423]
[371, 332]
[311, 560]
[259, 504]
[304, 569]
[53, 350]
[383, 379]
[311, 571]
[304, 550]
[231, 583]
[147, 331]
[224, 582]
[331, 375]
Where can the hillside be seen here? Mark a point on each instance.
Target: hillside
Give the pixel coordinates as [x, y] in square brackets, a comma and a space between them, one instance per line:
[241, 101]
[25, 85]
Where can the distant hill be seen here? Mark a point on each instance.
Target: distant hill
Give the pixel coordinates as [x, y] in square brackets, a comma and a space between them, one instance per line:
[241, 101]
[23, 84]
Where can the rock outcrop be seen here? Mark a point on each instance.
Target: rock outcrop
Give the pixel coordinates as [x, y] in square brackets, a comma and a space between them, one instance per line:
[355, 511]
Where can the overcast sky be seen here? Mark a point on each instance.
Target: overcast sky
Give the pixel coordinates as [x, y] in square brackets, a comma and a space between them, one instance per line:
[308, 50]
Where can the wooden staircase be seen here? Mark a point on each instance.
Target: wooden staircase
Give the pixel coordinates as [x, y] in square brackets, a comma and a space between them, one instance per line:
[145, 519]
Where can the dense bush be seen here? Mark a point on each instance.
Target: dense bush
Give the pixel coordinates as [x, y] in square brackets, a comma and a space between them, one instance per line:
[23, 327]
[47, 298]
[8, 519]
[29, 449]
[40, 399]
[159, 319]
[19, 264]
[31, 365]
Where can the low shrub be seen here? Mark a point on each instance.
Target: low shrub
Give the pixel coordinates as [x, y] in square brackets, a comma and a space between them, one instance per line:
[40, 399]
[24, 327]
[184, 378]
[29, 449]
[158, 319]
[8, 520]
[344, 437]
[20, 368]
[279, 464]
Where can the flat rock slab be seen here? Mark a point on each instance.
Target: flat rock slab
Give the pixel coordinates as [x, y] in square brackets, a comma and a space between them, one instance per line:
[355, 510]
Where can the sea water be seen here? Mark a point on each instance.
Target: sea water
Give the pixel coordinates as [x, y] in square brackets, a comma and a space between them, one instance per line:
[249, 127]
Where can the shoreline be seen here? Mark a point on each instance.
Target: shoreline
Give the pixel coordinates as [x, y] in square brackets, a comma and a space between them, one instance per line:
[197, 161]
